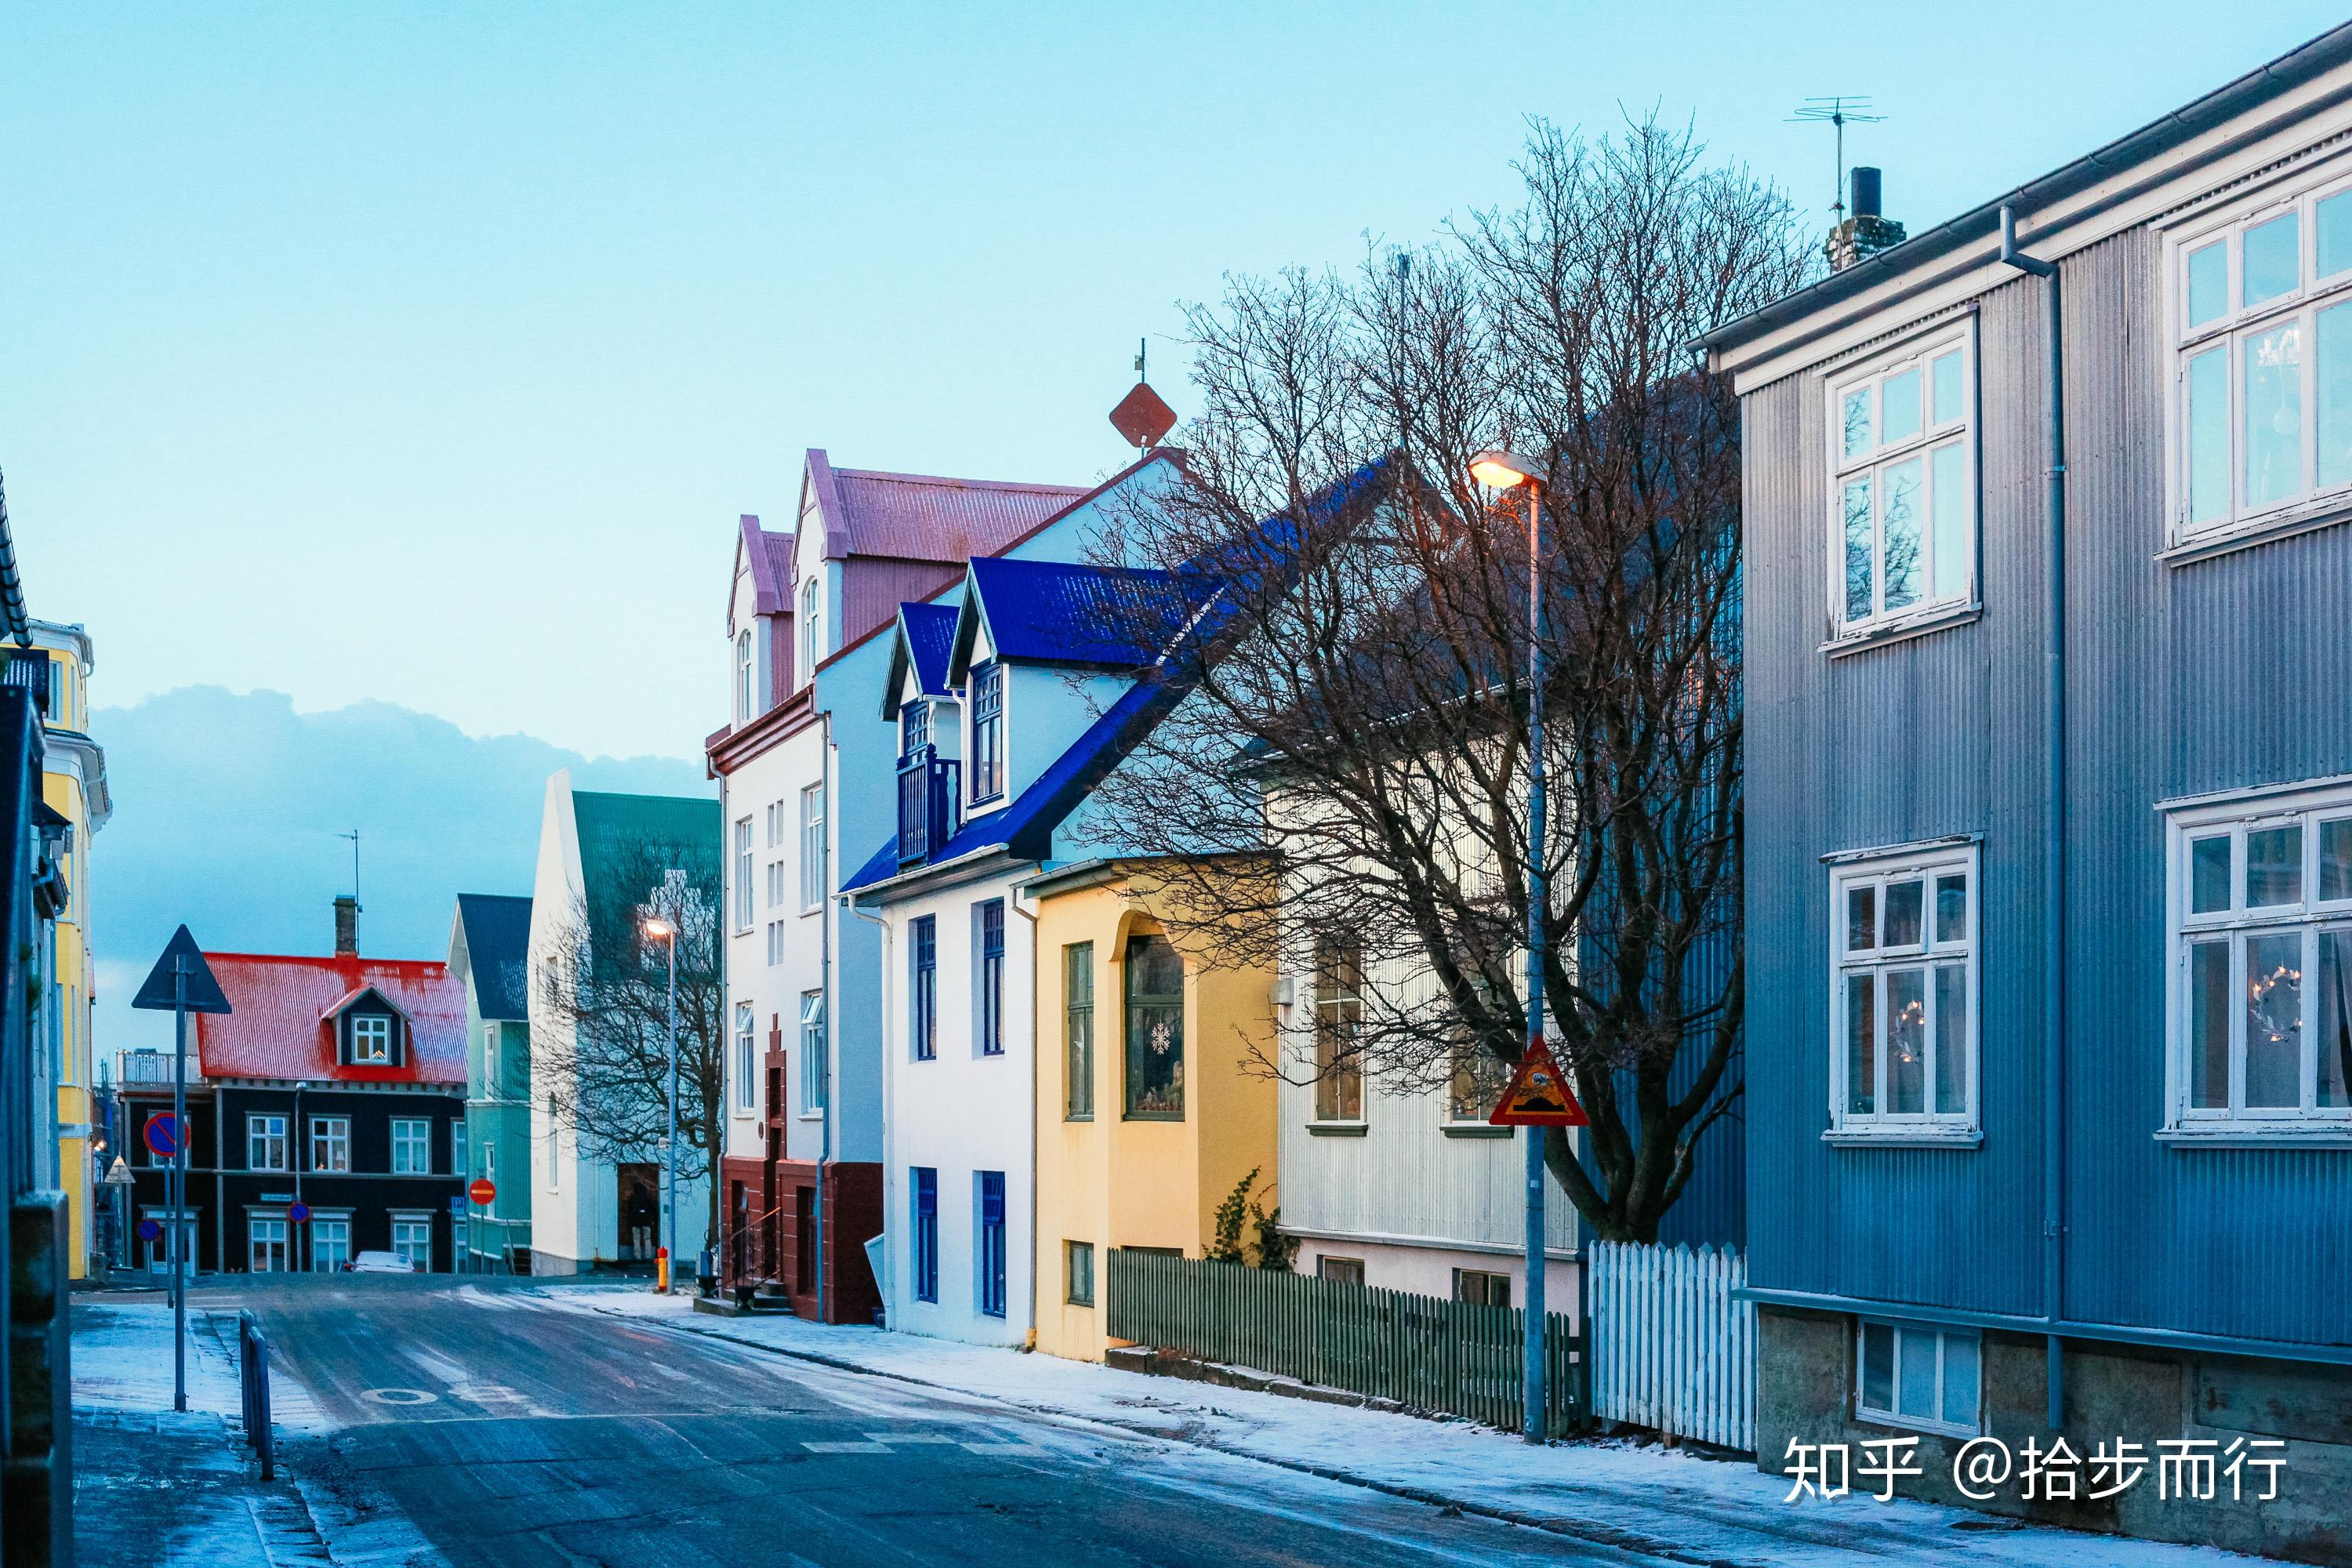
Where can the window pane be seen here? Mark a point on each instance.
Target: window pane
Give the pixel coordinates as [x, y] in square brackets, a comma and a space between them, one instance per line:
[2332, 341]
[2274, 420]
[2275, 867]
[1904, 913]
[1948, 506]
[2271, 263]
[1916, 1349]
[2336, 858]
[2209, 875]
[1952, 907]
[2208, 1025]
[2333, 1027]
[1857, 422]
[1861, 1043]
[2275, 1021]
[2208, 435]
[1155, 1028]
[1951, 1040]
[1857, 551]
[1905, 562]
[1861, 919]
[2331, 224]
[1907, 1041]
[1898, 407]
[1878, 1366]
[2209, 283]
[1960, 1378]
[1945, 373]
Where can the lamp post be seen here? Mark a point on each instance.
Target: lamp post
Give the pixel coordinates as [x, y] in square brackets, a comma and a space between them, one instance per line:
[667, 929]
[1507, 470]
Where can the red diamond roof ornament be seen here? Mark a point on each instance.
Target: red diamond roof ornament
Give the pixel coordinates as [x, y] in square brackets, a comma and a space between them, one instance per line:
[1143, 416]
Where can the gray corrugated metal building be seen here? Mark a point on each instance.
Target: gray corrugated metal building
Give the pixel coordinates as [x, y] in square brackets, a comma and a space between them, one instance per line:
[1931, 1207]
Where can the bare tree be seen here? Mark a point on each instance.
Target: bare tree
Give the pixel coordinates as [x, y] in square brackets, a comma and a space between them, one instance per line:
[607, 981]
[1358, 695]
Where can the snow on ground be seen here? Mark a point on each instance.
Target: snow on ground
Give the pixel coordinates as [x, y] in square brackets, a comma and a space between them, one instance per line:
[1639, 1495]
[122, 1359]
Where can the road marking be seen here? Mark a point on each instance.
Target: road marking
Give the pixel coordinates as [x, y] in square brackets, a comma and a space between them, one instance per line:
[440, 1368]
[399, 1396]
[1001, 1448]
[911, 1438]
[846, 1447]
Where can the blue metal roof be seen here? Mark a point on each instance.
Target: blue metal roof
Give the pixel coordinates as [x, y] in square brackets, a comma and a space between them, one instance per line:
[498, 937]
[1055, 612]
[926, 634]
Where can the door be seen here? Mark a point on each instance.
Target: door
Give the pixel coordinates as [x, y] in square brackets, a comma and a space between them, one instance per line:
[265, 1245]
[738, 1241]
[803, 1240]
[638, 1191]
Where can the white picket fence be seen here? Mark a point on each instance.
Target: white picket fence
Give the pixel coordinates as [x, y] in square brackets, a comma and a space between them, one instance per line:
[1671, 1350]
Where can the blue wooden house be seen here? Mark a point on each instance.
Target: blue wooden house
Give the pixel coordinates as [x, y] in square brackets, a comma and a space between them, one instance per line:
[2048, 624]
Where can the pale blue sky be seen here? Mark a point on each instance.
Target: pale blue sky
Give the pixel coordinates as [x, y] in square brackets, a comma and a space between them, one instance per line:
[427, 352]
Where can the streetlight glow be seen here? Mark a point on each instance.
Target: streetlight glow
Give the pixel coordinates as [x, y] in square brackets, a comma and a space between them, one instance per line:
[1502, 470]
[658, 928]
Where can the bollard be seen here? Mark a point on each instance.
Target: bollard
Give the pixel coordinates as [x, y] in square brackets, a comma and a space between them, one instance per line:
[253, 1390]
[661, 1270]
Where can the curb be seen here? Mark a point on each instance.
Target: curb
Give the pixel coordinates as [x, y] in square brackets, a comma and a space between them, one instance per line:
[1593, 1532]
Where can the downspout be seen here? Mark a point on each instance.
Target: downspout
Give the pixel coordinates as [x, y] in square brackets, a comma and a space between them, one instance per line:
[2053, 939]
[824, 997]
[882, 1032]
[1029, 1339]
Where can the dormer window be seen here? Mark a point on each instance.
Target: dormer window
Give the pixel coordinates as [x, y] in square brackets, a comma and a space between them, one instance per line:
[914, 728]
[987, 733]
[370, 1040]
[743, 677]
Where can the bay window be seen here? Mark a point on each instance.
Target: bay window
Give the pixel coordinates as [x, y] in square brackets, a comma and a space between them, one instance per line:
[2262, 334]
[1903, 1003]
[1902, 524]
[2261, 989]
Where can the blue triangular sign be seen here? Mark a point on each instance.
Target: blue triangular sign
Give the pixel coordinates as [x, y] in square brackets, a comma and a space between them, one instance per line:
[203, 993]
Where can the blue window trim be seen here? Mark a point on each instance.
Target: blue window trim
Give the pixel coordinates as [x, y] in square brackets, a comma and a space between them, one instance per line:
[991, 1252]
[925, 1262]
[923, 995]
[914, 728]
[992, 978]
[987, 733]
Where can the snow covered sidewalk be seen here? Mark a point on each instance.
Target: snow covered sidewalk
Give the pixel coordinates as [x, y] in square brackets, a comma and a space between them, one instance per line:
[1640, 1497]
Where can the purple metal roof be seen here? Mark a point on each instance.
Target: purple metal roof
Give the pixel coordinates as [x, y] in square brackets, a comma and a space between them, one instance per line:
[923, 517]
[769, 557]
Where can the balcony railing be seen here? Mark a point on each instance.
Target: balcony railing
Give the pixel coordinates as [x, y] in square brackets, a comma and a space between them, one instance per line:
[153, 1067]
[927, 803]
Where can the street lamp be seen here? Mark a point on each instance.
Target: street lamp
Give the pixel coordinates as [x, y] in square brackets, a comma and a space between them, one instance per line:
[666, 932]
[1504, 470]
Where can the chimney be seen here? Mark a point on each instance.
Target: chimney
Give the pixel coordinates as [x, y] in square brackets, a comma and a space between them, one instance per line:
[1867, 231]
[347, 927]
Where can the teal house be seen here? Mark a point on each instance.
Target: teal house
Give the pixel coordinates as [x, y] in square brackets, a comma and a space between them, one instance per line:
[489, 944]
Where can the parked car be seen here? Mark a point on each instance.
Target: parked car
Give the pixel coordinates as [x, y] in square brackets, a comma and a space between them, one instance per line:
[379, 1263]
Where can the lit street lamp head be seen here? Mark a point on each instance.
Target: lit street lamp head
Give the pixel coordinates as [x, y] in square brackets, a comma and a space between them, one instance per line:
[1504, 470]
[658, 928]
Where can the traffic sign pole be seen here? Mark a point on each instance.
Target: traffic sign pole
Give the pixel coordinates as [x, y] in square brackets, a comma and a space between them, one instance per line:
[179, 1244]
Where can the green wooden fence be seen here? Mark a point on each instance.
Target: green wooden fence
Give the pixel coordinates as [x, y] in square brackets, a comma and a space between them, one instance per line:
[1425, 1352]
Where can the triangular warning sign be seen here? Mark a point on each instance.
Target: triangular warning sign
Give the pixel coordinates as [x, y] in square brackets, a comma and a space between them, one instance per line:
[1538, 1095]
[180, 953]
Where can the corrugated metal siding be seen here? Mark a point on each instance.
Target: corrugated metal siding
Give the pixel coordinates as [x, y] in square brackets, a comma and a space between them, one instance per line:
[2219, 674]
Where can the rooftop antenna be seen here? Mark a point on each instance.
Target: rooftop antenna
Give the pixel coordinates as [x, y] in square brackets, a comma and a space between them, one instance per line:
[1838, 112]
[1143, 352]
[354, 837]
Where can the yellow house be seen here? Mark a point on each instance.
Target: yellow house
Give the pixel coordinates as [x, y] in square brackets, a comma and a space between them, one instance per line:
[1150, 1109]
[73, 785]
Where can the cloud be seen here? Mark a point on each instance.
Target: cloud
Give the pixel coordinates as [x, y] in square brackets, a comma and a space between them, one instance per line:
[226, 808]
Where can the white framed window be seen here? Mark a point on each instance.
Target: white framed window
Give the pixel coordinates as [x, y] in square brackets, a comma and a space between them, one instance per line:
[265, 1243]
[265, 1143]
[372, 1039]
[490, 1166]
[812, 1052]
[412, 1146]
[743, 679]
[2260, 300]
[458, 1148]
[1915, 1375]
[412, 1240]
[811, 632]
[331, 1142]
[812, 848]
[775, 943]
[331, 1242]
[747, 1071]
[490, 1086]
[743, 874]
[2259, 896]
[1903, 497]
[1902, 995]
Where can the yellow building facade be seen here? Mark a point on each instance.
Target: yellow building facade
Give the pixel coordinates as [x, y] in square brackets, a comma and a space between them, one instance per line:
[73, 785]
[1139, 1136]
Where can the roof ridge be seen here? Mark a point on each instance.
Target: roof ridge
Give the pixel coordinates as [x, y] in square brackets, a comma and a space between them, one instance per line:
[1039, 487]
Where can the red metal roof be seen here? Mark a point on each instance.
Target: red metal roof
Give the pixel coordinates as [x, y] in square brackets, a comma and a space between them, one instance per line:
[282, 1026]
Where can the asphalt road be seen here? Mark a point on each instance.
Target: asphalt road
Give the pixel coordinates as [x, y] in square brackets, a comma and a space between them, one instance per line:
[509, 1429]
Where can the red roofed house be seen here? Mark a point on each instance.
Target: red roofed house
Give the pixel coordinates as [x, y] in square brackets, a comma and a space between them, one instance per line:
[337, 1084]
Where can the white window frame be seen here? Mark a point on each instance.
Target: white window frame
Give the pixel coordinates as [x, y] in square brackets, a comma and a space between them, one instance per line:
[812, 1053]
[319, 1223]
[812, 821]
[747, 1064]
[1944, 1338]
[742, 876]
[264, 1232]
[263, 1129]
[2308, 919]
[1922, 863]
[812, 621]
[490, 1085]
[423, 1218]
[744, 642]
[407, 1133]
[2238, 323]
[457, 1147]
[1937, 601]
[331, 1135]
[374, 1049]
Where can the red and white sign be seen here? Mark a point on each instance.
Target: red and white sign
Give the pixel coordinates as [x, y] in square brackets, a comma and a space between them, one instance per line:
[482, 1191]
[1538, 1095]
